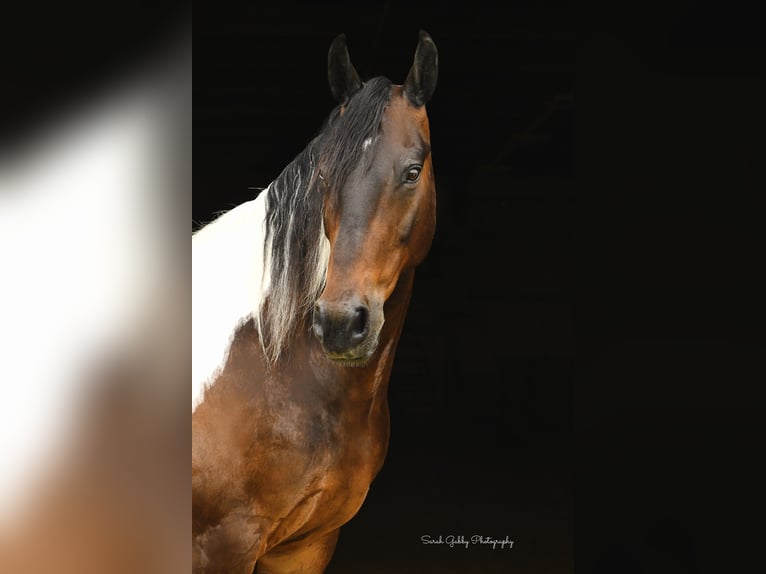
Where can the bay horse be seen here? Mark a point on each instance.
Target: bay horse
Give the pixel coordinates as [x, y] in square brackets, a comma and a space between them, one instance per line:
[299, 299]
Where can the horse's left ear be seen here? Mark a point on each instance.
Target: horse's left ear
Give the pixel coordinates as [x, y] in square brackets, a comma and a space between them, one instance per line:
[344, 80]
[421, 81]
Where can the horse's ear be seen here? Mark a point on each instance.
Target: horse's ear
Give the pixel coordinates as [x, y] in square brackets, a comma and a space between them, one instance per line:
[344, 81]
[421, 81]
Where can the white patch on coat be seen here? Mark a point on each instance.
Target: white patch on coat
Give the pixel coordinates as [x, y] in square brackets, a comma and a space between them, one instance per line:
[229, 278]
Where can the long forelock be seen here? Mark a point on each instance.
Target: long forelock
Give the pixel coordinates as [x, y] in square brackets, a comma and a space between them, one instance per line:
[296, 250]
[344, 146]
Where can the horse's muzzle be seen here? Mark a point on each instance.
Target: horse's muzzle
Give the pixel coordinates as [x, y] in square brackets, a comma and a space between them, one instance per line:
[343, 329]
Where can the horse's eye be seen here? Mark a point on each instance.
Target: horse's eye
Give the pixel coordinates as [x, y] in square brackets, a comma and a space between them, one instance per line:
[413, 173]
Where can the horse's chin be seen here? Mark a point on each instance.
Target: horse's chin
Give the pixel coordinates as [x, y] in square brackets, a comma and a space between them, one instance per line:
[362, 362]
[348, 360]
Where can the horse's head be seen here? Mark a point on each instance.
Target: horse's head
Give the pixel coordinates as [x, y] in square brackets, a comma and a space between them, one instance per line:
[379, 217]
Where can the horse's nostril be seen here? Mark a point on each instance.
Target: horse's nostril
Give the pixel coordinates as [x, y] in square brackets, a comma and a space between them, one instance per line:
[359, 323]
[340, 328]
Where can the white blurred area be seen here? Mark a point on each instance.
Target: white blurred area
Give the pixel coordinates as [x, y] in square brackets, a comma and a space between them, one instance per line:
[95, 331]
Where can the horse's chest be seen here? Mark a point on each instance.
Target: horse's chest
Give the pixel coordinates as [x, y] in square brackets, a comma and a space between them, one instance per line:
[339, 497]
[338, 478]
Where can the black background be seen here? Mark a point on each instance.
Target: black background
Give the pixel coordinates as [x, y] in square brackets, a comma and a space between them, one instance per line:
[670, 329]
[589, 324]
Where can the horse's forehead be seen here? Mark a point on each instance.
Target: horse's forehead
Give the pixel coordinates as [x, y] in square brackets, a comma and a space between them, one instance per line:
[404, 121]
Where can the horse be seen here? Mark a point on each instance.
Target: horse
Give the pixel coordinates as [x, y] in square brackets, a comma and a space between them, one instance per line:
[299, 300]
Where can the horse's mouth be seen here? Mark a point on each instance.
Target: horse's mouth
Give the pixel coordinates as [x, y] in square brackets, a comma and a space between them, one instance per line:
[351, 362]
[355, 358]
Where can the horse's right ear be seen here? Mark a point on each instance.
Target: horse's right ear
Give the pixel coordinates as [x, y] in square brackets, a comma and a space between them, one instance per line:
[344, 81]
